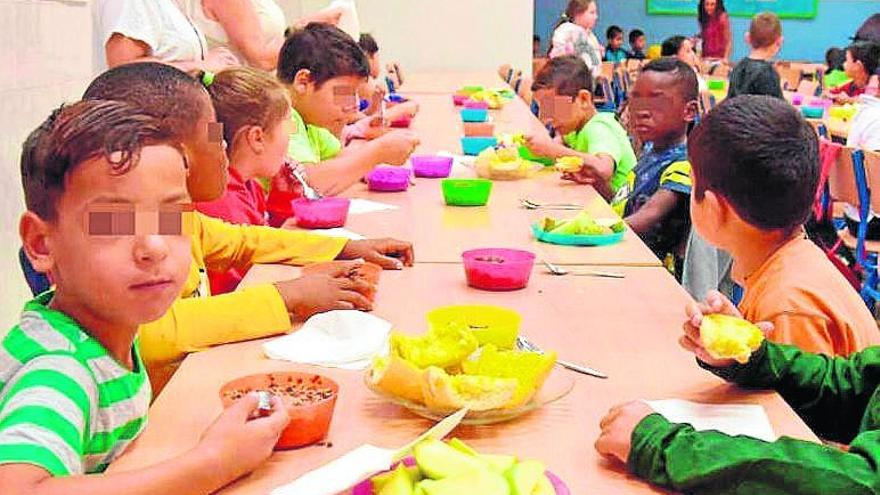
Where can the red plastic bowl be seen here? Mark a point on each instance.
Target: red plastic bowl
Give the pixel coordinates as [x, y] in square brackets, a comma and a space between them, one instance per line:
[308, 423]
[476, 104]
[458, 100]
[388, 179]
[432, 167]
[326, 213]
[403, 122]
[498, 269]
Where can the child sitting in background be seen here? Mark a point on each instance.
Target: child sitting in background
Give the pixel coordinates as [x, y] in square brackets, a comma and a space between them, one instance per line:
[74, 392]
[637, 44]
[862, 58]
[654, 201]
[614, 51]
[682, 48]
[322, 69]
[834, 72]
[755, 75]
[375, 92]
[755, 167]
[199, 320]
[562, 89]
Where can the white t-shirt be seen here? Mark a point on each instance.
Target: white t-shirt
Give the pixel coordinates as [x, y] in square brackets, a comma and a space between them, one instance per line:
[865, 130]
[270, 15]
[572, 39]
[158, 23]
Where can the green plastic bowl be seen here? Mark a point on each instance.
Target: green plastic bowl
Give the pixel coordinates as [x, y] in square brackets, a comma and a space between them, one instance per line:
[715, 84]
[466, 192]
[469, 90]
[526, 154]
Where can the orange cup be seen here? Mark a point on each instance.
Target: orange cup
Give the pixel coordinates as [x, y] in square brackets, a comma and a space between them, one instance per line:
[309, 422]
[484, 129]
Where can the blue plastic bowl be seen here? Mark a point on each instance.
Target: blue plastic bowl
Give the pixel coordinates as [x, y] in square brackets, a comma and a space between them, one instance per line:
[474, 114]
[813, 112]
[473, 145]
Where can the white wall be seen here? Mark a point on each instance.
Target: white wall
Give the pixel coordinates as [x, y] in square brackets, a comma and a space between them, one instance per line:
[448, 35]
[45, 55]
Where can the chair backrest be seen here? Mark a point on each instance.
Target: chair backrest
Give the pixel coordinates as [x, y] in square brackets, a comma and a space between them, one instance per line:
[525, 89]
[872, 175]
[791, 77]
[807, 87]
[505, 72]
[842, 180]
[607, 70]
[707, 102]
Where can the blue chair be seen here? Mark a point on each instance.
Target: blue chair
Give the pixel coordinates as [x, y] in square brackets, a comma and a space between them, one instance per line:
[866, 169]
[37, 282]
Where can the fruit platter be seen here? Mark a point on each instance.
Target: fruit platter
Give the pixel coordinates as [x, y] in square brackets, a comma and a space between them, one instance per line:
[582, 230]
[504, 163]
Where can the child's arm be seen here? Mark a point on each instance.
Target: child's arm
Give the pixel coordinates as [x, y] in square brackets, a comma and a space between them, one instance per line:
[661, 204]
[597, 168]
[231, 448]
[336, 175]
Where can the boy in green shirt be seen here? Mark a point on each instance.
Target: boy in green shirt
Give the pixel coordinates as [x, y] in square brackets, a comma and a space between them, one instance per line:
[105, 188]
[563, 89]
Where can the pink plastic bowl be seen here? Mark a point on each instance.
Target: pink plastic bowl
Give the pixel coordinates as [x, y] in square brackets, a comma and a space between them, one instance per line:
[797, 99]
[403, 122]
[458, 100]
[388, 179]
[432, 167]
[476, 104]
[326, 213]
[498, 269]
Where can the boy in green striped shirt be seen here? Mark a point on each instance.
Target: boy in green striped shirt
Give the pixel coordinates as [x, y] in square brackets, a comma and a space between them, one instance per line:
[106, 196]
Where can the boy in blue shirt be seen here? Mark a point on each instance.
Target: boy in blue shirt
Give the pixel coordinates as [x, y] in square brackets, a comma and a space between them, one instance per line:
[614, 51]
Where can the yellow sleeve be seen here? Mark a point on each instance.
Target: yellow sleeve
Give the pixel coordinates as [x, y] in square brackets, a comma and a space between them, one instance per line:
[197, 323]
[227, 246]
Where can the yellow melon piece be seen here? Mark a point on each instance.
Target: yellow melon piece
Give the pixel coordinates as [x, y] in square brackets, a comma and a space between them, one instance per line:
[444, 347]
[569, 164]
[728, 337]
[442, 391]
[529, 369]
[398, 377]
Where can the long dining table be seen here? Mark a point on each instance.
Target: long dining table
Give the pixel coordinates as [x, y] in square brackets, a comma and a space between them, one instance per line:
[626, 327]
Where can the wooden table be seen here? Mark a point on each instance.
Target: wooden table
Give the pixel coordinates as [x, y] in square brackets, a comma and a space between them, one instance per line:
[449, 82]
[586, 319]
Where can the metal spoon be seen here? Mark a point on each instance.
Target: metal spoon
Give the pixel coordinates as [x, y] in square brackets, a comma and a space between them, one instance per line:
[525, 345]
[559, 271]
[531, 205]
[308, 191]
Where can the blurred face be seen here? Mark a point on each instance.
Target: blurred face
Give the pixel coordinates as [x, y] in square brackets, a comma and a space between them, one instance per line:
[565, 114]
[206, 156]
[274, 147]
[331, 105]
[852, 67]
[711, 6]
[687, 54]
[616, 42]
[639, 43]
[587, 19]
[375, 65]
[657, 109]
[119, 250]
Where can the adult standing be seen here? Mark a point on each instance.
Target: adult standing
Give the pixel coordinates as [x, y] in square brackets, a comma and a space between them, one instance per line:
[573, 34]
[715, 30]
[128, 31]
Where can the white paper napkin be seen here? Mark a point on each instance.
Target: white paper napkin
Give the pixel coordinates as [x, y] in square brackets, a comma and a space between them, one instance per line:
[360, 206]
[339, 232]
[732, 419]
[462, 165]
[336, 339]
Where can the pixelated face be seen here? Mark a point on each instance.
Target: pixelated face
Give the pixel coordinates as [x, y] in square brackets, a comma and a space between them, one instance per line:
[206, 156]
[120, 246]
[710, 6]
[333, 104]
[852, 67]
[557, 111]
[639, 43]
[375, 65]
[687, 54]
[276, 139]
[587, 19]
[616, 42]
[657, 109]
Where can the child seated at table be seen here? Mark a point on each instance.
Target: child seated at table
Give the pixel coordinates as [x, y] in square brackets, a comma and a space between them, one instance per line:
[563, 91]
[834, 72]
[614, 51]
[322, 69]
[682, 48]
[862, 59]
[105, 188]
[375, 90]
[654, 199]
[755, 75]
[199, 320]
[839, 398]
[637, 44]
[755, 169]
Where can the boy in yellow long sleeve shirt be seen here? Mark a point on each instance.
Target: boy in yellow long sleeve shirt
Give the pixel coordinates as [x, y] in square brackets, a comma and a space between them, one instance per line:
[199, 320]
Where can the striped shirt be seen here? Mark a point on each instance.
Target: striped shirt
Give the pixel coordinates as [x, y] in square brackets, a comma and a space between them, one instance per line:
[66, 405]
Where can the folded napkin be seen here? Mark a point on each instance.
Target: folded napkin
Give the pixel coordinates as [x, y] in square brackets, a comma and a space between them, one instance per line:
[339, 232]
[359, 206]
[462, 165]
[336, 339]
[732, 419]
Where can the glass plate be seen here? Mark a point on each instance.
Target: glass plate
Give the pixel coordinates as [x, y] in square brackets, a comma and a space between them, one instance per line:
[558, 385]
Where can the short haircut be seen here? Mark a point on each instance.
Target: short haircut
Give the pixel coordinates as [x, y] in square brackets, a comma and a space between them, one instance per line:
[368, 44]
[866, 52]
[247, 97]
[671, 46]
[613, 31]
[567, 75]
[764, 30]
[634, 35]
[325, 51]
[165, 92]
[685, 78]
[114, 130]
[759, 154]
[835, 58]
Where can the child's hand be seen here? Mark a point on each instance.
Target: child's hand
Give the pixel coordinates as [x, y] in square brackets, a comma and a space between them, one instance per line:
[312, 294]
[220, 58]
[540, 144]
[617, 426]
[579, 177]
[390, 254]
[237, 444]
[715, 303]
[397, 145]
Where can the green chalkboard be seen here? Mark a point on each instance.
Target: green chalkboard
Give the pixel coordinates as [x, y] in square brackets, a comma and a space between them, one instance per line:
[786, 9]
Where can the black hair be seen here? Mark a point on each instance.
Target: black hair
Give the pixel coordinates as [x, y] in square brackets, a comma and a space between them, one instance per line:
[684, 75]
[703, 17]
[537, 38]
[869, 30]
[759, 154]
[114, 130]
[835, 58]
[368, 44]
[325, 51]
[866, 52]
[572, 10]
[671, 46]
[634, 35]
[163, 91]
[567, 75]
[613, 31]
